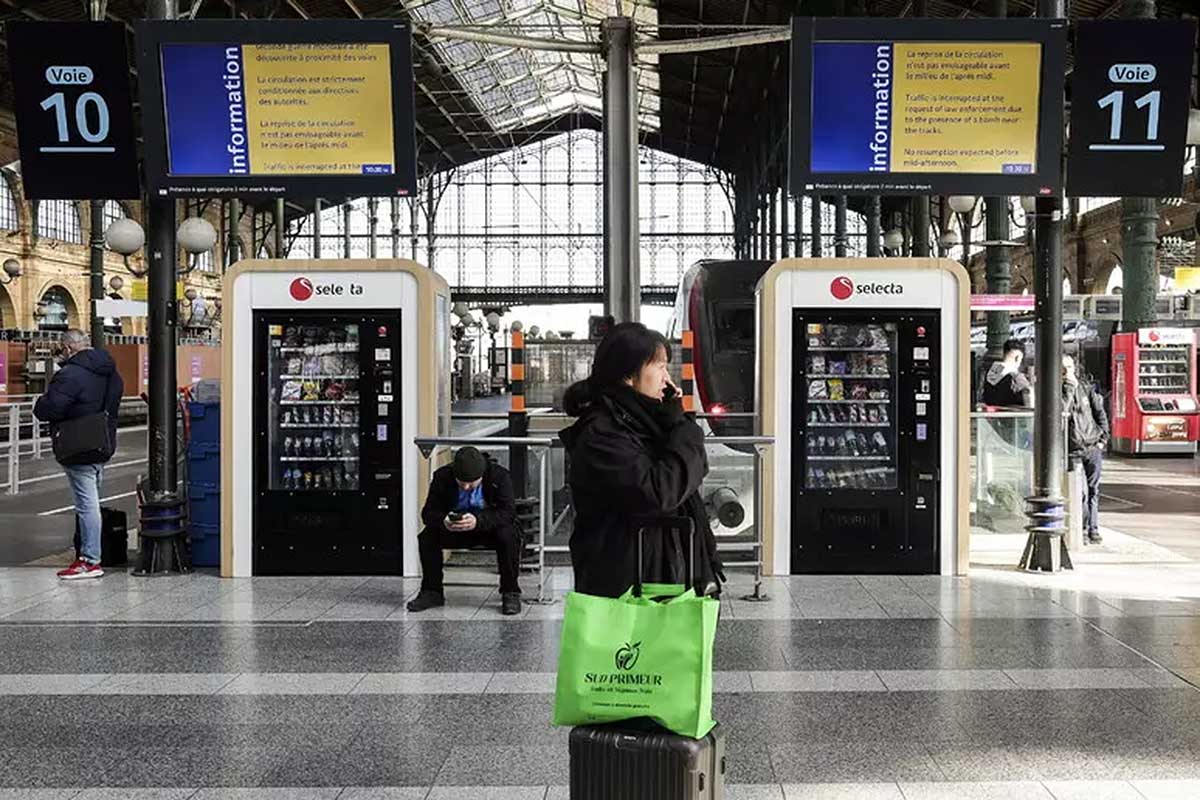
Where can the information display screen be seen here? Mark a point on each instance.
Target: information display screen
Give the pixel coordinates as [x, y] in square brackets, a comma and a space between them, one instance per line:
[243, 109]
[921, 106]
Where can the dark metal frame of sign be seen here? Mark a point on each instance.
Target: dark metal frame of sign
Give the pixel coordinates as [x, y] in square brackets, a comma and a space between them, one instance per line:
[1046, 177]
[153, 34]
[74, 110]
[1143, 68]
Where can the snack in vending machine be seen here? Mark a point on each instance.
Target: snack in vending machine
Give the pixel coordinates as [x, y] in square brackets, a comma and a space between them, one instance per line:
[818, 390]
[880, 443]
[287, 417]
[872, 414]
[837, 366]
[837, 389]
[854, 414]
[308, 480]
[883, 414]
[311, 391]
[815, 335]
[291, 390]
[864, 447]
[288, 445]
[858, 391]
[816, 365]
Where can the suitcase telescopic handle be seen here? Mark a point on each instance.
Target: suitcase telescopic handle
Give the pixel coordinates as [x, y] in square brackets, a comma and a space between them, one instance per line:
[684, 524]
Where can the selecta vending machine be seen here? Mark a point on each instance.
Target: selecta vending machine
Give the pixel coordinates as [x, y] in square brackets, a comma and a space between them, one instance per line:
[1154, 403]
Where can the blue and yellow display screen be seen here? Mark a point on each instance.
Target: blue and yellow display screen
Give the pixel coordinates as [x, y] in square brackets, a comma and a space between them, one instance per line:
[278, 109]
[925, 107]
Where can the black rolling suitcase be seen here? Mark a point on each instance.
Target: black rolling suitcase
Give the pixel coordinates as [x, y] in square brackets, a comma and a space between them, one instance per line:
[642, 761]
[639, 759]
[114, 538]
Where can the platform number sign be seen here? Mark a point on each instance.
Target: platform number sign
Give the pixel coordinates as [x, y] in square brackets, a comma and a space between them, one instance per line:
[73, 110]
[1130, 94]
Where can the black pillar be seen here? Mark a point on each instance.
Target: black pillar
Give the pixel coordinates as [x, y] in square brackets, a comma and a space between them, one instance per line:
[815, 215]
[96, 271]
[839, 226]
[873, 226]
[279, 223]
[316, 227]
[999, 271]
[920, 226]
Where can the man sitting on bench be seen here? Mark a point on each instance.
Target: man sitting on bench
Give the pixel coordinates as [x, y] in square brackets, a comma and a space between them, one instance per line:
[470, 504]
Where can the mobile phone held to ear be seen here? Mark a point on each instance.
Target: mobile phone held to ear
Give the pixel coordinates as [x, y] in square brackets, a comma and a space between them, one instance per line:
[669, 392]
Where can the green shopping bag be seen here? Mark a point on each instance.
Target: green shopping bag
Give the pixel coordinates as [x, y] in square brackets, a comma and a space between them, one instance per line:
[638, 657]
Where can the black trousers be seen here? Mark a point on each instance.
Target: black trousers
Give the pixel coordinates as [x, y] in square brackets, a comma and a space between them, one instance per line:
[1093, 461]
[503, 540]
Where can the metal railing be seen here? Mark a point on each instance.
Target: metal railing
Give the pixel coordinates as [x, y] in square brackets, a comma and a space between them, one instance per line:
[547, 527]
[431, 444]
[26, 437]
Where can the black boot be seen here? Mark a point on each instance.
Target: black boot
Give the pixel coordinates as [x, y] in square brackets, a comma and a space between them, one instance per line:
[510, 604]
[426, 599]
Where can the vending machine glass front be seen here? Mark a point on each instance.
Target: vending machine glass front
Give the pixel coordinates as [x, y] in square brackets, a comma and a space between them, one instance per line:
[313, 407]
[850, 386]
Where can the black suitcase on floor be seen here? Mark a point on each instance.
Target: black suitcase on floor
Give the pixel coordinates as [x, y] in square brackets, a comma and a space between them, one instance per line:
[642, 761]
[114, 538]
[639, 759]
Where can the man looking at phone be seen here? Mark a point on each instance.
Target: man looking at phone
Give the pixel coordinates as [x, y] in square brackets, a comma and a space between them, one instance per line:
[470, 504]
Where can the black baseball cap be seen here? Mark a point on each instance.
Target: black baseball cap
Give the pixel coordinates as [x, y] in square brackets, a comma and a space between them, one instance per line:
[469, 464]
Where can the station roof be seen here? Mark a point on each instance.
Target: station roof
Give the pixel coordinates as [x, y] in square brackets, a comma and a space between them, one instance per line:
[474, 100]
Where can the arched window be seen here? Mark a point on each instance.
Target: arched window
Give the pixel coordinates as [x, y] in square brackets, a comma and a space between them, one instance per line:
[56, 310]
[112, 212]
[59, 219]
[10, 219]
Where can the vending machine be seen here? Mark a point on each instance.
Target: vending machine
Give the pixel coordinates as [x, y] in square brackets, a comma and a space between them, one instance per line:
[864, 380]
[1154, 404]
[332, 369]
[327, 459]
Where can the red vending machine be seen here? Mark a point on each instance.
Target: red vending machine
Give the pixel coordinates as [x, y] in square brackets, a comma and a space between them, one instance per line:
[1154, 404]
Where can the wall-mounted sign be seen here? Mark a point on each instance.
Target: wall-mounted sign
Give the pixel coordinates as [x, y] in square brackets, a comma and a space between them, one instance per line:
[279, 107]
[73, 110]
[1130, 94]
[1168, 336]
[902, 106]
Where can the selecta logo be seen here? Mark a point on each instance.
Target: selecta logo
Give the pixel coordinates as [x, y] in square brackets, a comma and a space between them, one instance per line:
[301, 289]
[626, 657]
[843, 288]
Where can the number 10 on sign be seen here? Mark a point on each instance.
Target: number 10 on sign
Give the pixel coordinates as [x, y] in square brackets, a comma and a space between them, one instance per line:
[58, 103]
[1115, 101]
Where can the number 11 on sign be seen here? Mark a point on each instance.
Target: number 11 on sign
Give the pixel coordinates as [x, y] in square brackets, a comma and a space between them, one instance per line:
[1116, 102]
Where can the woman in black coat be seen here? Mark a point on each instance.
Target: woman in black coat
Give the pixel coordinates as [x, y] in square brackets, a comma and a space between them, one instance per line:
[634, 453]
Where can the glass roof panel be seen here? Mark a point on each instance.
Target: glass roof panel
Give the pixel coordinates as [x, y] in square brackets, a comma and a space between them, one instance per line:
[517, 88]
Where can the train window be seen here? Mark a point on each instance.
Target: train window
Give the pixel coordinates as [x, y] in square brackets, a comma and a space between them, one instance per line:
[733, 326]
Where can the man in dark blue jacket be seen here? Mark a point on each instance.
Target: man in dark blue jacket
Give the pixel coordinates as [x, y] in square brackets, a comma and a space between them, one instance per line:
[470, 504]
[87, 383]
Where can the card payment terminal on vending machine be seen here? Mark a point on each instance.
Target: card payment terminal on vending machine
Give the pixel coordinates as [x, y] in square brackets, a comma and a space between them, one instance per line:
[864, 380]
[332, 368]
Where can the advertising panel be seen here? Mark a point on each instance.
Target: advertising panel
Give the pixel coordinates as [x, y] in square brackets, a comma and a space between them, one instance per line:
[926, 106]
[243, 109]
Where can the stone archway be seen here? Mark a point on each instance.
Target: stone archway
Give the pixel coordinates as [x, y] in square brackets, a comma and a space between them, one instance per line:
[1108, 267]
[8, 309]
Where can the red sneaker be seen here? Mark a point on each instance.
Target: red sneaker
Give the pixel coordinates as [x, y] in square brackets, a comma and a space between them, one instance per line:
[81, 569]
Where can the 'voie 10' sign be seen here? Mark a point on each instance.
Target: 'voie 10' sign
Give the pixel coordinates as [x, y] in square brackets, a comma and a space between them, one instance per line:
[1130, 94]
[73, 110]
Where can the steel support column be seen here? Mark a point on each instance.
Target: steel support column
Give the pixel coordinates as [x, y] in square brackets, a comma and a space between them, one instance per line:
[874, 223]
[798, 209]
[316, 227]
[815, 215]
[233, 243]
[373, 229]
[279, 223]
[998, 271]
[1139, 230]
[839, 226]
[784, 243]
[622, 277]
[1046, 548]
[96, 271]
[919, 208]
[347, 209]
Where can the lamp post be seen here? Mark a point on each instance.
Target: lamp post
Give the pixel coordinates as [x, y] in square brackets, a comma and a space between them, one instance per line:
[12, 271]
[964, 207]
[893, 240]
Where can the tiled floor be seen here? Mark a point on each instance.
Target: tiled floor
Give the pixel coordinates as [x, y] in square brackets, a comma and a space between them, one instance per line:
[995, 686]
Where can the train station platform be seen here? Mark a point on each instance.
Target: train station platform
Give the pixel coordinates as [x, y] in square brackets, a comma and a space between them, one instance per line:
[996, 685]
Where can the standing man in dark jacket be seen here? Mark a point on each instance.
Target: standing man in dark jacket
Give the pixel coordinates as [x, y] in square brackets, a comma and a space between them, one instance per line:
[1087, 437]
[1004, 385]
[470, 504]
[634, 454]
[87, 383]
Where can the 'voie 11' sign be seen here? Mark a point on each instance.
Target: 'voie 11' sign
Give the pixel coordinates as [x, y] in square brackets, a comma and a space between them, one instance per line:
[74, 116]
[1130, 93]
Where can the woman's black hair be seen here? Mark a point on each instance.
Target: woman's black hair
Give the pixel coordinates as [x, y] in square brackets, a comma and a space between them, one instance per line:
[620, 355]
